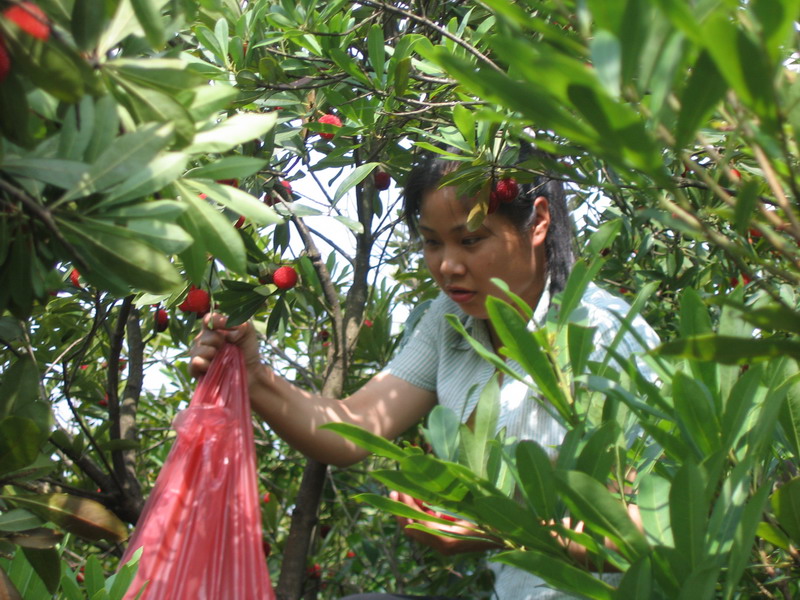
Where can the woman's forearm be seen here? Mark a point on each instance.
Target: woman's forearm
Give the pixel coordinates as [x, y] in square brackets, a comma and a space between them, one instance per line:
[296, 416]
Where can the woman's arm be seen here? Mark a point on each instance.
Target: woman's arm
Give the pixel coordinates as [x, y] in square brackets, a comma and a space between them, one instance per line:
[385, 406]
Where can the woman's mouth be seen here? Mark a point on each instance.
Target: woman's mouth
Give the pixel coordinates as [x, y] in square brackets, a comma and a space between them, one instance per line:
[460, 295]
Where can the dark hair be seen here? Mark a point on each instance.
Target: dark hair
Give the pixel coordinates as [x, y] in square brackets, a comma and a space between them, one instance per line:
[558, 245]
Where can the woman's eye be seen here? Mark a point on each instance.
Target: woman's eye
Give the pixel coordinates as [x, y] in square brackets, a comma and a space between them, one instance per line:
[430, 243]
[471, 241]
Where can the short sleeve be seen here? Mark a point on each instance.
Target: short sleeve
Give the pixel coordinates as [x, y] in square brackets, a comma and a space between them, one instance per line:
[417, 361]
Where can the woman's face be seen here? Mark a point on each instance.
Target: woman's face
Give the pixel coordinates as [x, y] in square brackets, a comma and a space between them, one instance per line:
[463, 262]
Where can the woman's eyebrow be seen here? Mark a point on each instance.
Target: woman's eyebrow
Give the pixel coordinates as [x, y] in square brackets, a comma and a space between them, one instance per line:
[459, 227]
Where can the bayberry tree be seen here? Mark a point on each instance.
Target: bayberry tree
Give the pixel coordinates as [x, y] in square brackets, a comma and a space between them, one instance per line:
[163, 157]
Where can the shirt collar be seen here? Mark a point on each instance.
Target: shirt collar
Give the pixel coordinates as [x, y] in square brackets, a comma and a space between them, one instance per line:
[479, 328]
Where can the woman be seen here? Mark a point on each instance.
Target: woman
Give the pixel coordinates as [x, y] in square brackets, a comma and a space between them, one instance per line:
[527, 243]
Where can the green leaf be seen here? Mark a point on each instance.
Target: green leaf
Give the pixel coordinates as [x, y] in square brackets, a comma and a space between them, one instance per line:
[148, 13]
[604, 236]
[442, 432]
[474, 443]
[401, 75]
[772, 317]
[654, 511]
[14, 112]
[523, 346]
[120, 582]
[482, 351]
[159, 173]
[240, 312]
[228, 167]
[696, 415]
[789, 418]
[369, 441]
[606, 53]
[18, 519]
[63, 174]
[118, 261]
[81, 516]
[399, 509]
[167, 237]
[355, 177]
[744, 65]
[237, 200]
[741, 553]
[785, 504]
[86, 24]
[164, 210]
[689, 517]
[217, 234]
[702, 93]
[152, 105]
[747, 394]
[346, 63]
[376, 52]
[46, 563]
[126, 154]
[464, 120]
[637, 581]
[55, 66]
[558, 572]
[233, 131]
[597, 455]
[730, 350]
[579, 278]
[123, 24]
[20, 386]
[581, 346]
[590, 501]
[20, 440]
[537, 478]
[206, 101]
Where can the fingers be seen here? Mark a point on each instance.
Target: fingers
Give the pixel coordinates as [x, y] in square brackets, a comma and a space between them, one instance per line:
[209, 341]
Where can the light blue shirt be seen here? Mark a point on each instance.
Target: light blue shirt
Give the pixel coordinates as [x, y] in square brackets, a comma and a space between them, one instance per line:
[436, 357]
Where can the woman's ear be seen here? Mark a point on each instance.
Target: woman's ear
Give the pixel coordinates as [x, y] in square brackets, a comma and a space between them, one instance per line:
[541, 220]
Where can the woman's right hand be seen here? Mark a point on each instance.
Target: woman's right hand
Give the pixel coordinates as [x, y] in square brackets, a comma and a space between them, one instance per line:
[212, 338]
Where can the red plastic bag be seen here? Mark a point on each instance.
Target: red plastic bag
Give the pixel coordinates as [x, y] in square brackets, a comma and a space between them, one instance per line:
[200, 529]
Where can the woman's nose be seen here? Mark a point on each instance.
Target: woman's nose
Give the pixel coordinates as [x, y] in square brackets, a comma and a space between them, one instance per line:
[452, 263]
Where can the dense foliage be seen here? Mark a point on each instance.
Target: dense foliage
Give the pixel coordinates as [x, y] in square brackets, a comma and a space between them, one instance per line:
[153, 148]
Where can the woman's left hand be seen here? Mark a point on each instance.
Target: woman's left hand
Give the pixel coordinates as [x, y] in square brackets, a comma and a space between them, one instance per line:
[443, 544]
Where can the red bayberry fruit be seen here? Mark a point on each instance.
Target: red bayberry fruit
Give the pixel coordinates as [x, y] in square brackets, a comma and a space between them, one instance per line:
[239, 222]
[367, 323]
[287, 185]
[330, 120]
[382, 180]
[314, 571]
[30, 19]
[5, 61]
[285, 277]
[233, 182]
[74, 277]
[267, 548]
[265, 498]
[506, 190]
[494, 203]
[351, 554]
[736, 175]
[197, 301]
[104, 401]
[162, 319]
